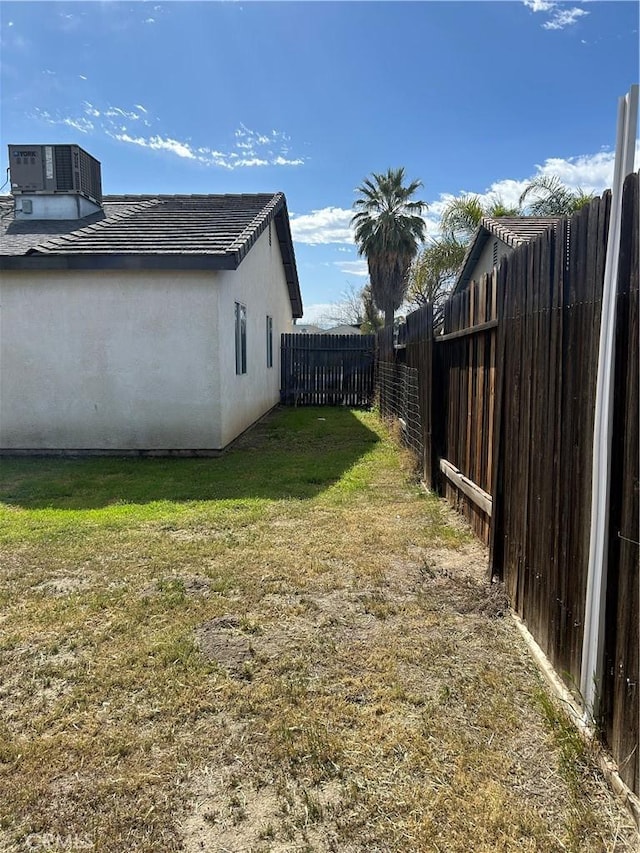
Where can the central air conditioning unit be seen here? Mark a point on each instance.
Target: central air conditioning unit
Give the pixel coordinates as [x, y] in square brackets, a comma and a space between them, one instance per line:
[40, 172]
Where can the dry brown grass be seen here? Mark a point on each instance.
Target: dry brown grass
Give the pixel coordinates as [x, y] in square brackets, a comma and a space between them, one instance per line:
[324, 671]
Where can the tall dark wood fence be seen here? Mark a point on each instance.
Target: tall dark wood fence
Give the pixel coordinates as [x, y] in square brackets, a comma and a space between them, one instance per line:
[550, 295]
[328, 370]
[621, 690]
[466, 359]
[507, 394]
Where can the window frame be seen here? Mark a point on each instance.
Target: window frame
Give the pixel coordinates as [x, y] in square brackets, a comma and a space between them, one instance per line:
[269, 330]
[240, 318]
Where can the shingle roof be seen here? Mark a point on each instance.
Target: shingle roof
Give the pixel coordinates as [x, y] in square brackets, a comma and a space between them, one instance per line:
[153, 232]
[516, 230]
[512, 230]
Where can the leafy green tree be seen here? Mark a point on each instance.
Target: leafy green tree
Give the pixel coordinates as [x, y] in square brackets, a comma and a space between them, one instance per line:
[433, 271]
[388, 229]
[548, 196]
[462, 215]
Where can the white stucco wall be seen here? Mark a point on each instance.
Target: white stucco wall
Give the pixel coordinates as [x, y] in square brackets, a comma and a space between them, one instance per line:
[259, 284]
[485, 261]
[108, 360]
[138, 360]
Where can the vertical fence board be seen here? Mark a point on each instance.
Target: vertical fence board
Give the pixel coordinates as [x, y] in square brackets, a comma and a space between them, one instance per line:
[334, 370]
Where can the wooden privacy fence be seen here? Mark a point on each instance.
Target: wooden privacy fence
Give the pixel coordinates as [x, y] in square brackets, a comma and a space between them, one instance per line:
[466, 359]
[331, 370]
[506, 392]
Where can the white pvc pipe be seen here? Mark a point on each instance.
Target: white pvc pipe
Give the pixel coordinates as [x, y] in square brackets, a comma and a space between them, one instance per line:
[593, 639]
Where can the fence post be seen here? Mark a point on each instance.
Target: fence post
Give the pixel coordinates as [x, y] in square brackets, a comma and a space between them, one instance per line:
[593, 640]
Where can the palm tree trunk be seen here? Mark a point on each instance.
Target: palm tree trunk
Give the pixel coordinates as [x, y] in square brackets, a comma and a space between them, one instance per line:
[388, 315]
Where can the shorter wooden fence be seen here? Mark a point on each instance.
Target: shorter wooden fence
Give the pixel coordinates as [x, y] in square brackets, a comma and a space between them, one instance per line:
[327, 370]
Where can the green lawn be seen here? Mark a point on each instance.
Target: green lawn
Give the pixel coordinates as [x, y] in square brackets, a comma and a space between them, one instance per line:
[286, 648]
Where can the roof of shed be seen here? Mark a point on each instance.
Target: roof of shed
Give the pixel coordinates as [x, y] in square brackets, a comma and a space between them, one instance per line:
[152, 232]
[512, 230]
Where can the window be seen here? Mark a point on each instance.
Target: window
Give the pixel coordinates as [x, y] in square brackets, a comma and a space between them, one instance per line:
[269, 341]
[241, 338]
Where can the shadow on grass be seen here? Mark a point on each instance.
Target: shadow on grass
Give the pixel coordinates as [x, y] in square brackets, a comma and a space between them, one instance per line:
[293, 453]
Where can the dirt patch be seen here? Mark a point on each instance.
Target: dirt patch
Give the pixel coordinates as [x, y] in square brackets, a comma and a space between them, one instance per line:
[62, 586]
[354, 699]
[190, 585]
[230, 813]
[223, 641]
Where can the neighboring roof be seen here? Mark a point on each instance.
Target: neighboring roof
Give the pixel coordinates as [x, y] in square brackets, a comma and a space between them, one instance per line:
[152, 232]
[307, 329]
[343, 329]
[512, 230]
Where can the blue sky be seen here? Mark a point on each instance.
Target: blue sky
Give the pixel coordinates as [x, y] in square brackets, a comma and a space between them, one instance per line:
[311, 97]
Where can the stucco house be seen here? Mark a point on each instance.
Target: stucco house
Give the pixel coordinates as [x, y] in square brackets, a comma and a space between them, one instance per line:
[144, 323]
[495, 238]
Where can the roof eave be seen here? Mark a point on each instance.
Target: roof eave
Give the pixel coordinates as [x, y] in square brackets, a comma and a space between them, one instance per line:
[471, 258]
[92, 261]
[283, 231]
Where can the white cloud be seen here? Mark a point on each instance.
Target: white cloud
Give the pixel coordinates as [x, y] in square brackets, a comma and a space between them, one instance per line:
[327, 225]
[317, 314]
[250, 161]
[558, 17]
[114, 112]
[539, 5]
[562, 18]
[358, 268]
[592, 173]
[81, 124]
[331, 225]
[149, 21]
[250, 149]
[282, 161]
[181, 149]
[253, 148]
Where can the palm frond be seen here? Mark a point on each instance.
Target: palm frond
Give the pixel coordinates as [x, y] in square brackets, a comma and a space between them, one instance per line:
[388, 229]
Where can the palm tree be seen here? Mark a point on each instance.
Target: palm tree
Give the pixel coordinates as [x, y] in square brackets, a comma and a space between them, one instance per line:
[388, 229]
[462, 215]
[372, 318]
[548, 196]
[433, 271]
